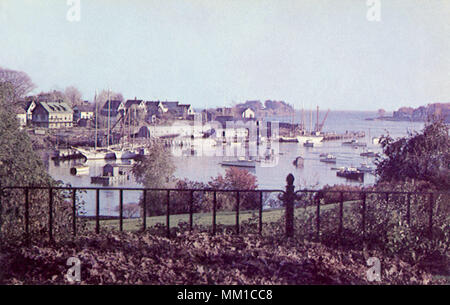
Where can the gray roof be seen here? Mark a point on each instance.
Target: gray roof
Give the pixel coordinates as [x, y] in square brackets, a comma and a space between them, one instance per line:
[56, 107]
[114, 105]
[84, 107]
[129, 103]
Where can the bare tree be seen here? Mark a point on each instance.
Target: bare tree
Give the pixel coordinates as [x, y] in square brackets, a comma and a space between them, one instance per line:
[20, 81]
[102, 97]
[73, 95]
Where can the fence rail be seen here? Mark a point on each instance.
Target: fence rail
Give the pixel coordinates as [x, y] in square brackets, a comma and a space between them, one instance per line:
[289, 198]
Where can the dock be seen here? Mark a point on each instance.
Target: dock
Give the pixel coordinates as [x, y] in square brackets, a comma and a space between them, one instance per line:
[343, 136]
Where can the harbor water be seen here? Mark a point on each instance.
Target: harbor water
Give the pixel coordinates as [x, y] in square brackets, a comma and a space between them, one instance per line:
[313, 174]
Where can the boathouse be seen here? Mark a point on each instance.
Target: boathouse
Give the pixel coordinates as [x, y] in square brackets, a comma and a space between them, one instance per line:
[111, 170]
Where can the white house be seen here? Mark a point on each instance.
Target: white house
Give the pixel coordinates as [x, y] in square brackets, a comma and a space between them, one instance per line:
[248, 113]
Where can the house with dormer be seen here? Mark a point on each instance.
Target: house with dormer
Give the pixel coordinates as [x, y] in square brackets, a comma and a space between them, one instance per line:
[57, 114]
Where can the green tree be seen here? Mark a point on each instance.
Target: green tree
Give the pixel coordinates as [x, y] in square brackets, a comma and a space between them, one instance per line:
[423, 156]
[21, 166]
[155, 170]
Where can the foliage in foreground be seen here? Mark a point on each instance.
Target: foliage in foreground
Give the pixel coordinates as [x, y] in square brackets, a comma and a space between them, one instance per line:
[198, 258]
[420, 156]
[21, 166]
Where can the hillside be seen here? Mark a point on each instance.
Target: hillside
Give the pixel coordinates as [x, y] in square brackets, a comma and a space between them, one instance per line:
[269, 108]
[423, 112]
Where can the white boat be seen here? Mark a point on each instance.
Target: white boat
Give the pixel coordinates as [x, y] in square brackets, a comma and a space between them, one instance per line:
[95, 154]
[328, 159]
[354, 143]
[241, 162]
[311, 138]
[79, 169]
[365, 168]
[125, 154]
[351, 173]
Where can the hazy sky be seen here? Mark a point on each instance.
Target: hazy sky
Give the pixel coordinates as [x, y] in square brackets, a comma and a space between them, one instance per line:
[210, 53]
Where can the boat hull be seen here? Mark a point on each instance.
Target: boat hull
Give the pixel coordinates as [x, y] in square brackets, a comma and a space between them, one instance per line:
[351, 175]
[312, 139]
[247, 164]
[94, 154]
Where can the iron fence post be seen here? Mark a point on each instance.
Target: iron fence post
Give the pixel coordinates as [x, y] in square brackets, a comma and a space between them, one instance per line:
[50, 214]
[144, 211]
[27, 217]
[363, 211]
[318, 216]
[214, 213]
[191, 210]
[260, 211]
[121, 210]
[168, 214]
[74, 212]
[341, 214]
[237, 212]
[97, 211]
[289, 202]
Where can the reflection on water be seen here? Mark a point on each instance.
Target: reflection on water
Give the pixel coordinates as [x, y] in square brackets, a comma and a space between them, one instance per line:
[313, 174]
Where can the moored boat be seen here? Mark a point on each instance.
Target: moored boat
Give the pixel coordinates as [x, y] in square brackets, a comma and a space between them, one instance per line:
[351, 173]
[239, 163]
[329, 158]
[95, 154]
[354, 143]
[79, 169]
[308, 143]
[369, 154]
[288, 139]
[298, 162]
[365, 168]
[316, 139]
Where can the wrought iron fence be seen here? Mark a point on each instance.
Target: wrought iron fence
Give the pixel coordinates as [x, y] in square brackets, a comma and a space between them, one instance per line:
[289, 199]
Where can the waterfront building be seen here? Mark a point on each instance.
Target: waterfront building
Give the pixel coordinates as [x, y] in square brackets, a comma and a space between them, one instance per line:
[139, 105]
[52, 115]
[168, 109]
[83, 111]
[247, 113]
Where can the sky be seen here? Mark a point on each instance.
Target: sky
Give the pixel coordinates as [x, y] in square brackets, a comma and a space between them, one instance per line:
[212, 53]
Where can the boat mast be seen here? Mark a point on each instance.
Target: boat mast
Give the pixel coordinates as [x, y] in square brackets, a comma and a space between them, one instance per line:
[317, 119]
[303, 117]
[96, 121]
[109, 116]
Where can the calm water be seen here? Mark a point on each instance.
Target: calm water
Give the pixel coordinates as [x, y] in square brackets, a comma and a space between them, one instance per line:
[313, 174]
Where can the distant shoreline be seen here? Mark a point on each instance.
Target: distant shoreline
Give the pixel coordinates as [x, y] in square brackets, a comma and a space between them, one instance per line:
[393, 119]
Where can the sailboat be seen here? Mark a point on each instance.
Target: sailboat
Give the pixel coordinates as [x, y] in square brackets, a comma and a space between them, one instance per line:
[312, 137]
[94, 153]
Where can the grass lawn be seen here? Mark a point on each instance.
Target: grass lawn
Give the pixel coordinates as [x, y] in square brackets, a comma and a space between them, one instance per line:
[227, 218]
